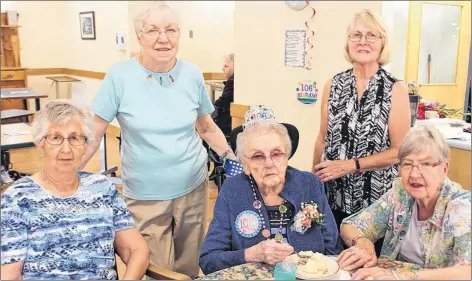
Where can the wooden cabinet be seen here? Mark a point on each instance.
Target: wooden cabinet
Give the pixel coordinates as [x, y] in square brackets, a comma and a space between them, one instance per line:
[13, 78]
[12, 74]
[460, 167]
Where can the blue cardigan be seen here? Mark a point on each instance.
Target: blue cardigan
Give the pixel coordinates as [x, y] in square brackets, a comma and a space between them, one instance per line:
[224, 247]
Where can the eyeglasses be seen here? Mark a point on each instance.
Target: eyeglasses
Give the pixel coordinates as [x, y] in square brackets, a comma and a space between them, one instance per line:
[169, 32]
[73, 140]
[423, 167]
[260, 159]
[369, 37]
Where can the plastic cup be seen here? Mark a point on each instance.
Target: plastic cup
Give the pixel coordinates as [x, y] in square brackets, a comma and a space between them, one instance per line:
[285, 271]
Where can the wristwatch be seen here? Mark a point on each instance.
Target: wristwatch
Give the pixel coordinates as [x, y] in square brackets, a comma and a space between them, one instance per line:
[358, 166]
[222, 156]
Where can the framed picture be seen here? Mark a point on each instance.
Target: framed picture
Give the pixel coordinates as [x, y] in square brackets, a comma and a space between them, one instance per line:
[87, 25]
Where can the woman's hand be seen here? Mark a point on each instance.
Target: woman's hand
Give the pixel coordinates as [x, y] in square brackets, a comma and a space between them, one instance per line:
[271, 252]
[356, 257]
[378, 273]
[331, 170]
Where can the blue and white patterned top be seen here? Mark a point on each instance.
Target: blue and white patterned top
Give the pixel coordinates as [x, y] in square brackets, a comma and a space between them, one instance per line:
[63, 238]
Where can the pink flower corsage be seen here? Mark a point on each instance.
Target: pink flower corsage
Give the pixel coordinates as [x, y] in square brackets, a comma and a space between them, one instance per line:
[308, 215]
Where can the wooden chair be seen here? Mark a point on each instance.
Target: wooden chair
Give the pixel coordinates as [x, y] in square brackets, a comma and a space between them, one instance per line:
[160, 273]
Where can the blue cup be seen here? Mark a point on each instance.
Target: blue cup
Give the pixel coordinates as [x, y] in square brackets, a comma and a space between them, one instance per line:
[285, 271]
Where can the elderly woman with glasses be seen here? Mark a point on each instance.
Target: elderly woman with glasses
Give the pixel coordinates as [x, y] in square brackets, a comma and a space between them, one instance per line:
[270, 210]
[365, 116]
[61, 223]
[425, 218]
[163, 110]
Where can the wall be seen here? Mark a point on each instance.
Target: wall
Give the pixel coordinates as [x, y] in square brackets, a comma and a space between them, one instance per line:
[39, 32]
[262, 77]
[395, 16]
[99, 54]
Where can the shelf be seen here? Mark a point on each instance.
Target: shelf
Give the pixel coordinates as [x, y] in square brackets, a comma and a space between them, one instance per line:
[10, 26]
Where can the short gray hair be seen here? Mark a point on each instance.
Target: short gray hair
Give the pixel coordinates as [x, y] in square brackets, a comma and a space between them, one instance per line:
[243, 137]
[230, 57]
[60, 112]
[422, 139]
[149, 9]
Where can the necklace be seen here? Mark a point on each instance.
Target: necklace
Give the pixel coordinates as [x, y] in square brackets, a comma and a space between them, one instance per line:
[258, 206]
[49, 184]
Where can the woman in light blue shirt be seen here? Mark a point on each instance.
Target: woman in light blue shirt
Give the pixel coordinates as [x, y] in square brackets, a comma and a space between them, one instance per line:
[163, 109]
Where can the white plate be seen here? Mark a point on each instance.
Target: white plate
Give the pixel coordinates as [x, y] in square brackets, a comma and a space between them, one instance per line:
[334, 272]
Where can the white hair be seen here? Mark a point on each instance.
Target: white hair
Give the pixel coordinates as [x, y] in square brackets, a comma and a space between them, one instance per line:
[243, 138]
[424, 139]
[61, 112]
[230, 57]
[152, 8]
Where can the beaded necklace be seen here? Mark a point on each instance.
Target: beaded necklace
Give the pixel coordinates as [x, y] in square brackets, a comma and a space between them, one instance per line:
[258, 206]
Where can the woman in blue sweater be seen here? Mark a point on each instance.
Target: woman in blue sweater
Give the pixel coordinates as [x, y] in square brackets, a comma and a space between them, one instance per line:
[270, 210]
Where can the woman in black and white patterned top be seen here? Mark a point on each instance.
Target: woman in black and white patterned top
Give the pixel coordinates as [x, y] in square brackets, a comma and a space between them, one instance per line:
[365, 116]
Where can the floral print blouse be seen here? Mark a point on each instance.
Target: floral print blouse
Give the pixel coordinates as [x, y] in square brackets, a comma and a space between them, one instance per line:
[446, 238]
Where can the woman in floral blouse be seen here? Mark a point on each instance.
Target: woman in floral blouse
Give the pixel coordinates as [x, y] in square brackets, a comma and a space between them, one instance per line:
[425, 218]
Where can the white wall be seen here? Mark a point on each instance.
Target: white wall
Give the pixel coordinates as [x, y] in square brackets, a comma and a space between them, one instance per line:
[262, 77]
[99, 54]
[39, 33]
[395, 15]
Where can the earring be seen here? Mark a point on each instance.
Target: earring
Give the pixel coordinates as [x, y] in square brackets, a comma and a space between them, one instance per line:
[141, 49]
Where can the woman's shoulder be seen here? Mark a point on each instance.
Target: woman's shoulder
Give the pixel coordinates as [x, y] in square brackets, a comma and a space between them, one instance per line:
[343, 74]
[123, 67]
[388, 76]
[303, 179]
[24, 187]
[457, 217]
[456, 195]
[95, 181]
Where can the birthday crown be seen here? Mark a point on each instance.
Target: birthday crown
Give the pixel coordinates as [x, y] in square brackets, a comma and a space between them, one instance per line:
[258, 115]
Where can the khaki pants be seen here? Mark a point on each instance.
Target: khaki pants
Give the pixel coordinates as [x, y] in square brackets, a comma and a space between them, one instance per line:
[173, 229]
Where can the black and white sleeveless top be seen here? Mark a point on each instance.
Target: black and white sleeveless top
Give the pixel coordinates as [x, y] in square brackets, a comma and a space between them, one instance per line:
[356, 130]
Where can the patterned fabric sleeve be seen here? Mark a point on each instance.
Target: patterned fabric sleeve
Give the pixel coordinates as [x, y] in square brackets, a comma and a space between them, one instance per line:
[14, 230]
[122, 218]
[373, 220]
[458, 221]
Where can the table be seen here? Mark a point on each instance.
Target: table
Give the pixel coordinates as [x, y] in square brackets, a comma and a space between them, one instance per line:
[215, 86]
[16, 113]
[24, 94]
[262, 271]
[17, 135]
[62, 79]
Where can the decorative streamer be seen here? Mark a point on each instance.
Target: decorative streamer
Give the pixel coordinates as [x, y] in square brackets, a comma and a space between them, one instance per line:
[309, 44]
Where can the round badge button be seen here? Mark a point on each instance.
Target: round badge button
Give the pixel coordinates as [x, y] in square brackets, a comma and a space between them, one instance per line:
[248, 224]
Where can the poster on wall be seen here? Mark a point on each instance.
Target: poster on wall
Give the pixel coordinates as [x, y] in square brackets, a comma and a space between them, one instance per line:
[307, 91]
[295, 44]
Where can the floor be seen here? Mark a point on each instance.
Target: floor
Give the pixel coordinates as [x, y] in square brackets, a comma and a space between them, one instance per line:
[28, 160]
